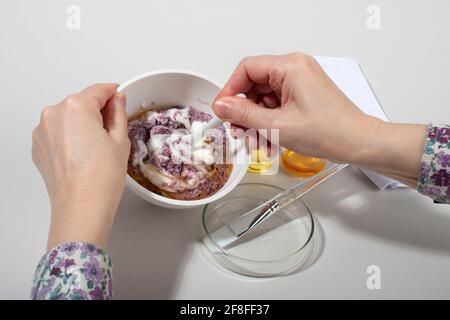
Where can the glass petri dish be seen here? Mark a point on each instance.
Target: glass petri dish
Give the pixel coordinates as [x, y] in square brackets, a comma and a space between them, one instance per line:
[278, 246]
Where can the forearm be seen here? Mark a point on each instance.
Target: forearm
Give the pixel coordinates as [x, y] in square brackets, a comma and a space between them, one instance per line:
[393, 149]
[79, 224]
[79, 215]
[67, 231]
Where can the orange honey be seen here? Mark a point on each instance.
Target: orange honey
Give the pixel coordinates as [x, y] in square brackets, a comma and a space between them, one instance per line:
[300, 165]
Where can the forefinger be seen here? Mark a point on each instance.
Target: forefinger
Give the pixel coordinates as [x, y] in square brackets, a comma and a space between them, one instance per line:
[250, 71]
[99, 94]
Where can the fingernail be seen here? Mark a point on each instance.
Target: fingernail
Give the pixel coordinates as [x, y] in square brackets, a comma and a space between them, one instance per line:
[121, 98]
[222, 108]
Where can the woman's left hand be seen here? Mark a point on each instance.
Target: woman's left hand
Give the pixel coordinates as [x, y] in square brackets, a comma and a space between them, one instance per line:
[81, 149]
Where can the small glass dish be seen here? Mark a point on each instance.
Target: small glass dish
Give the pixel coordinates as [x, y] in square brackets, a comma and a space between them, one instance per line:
[278, 246]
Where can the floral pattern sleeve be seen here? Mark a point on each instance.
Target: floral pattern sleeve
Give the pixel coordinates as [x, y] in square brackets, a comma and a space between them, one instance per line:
[434, 176]
[73, 271]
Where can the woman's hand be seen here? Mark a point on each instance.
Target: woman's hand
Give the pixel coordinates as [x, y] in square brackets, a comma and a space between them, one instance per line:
[313, 115]
[81, 148]
[293, 94]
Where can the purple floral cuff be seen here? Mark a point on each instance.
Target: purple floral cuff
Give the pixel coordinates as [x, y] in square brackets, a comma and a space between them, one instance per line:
[73, 271]
[434, 176]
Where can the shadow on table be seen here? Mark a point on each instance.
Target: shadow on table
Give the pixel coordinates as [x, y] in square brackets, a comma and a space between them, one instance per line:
[397, 216]
[149, 248]
[316, 249]
[150, 245]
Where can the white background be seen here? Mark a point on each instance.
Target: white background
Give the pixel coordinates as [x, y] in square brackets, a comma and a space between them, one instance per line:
[155, 251]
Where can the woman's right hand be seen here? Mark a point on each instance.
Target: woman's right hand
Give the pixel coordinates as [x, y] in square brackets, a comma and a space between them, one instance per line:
[293, 94]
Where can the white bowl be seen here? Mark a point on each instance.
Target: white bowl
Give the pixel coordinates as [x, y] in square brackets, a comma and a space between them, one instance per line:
[175, 87]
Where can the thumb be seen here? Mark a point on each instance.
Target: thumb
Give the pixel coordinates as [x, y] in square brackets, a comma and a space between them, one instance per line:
[244, 112]
[115, 117]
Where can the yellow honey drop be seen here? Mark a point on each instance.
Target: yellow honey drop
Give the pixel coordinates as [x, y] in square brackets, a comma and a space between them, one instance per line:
[300, 165]
[260, 161]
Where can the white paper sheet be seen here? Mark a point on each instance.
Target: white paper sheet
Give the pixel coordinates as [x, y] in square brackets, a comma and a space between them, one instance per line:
[348, 76]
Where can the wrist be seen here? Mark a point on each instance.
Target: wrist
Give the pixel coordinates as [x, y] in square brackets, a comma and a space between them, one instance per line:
[392, 148]
[364, 146]
[75, 230]
[80, 221]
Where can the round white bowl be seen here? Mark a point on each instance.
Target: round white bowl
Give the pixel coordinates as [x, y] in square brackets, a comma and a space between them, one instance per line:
[175, 87]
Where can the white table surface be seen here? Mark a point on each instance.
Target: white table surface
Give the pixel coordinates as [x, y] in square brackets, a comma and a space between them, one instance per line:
[156, 251]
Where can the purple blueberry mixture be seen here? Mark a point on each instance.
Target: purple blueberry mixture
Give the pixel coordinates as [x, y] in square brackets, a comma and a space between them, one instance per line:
[143, 127]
